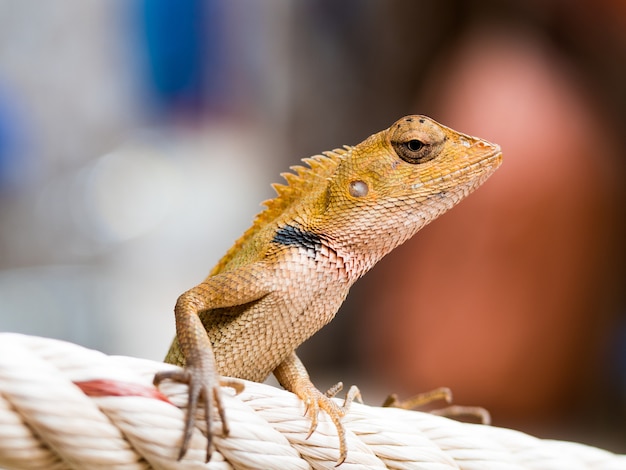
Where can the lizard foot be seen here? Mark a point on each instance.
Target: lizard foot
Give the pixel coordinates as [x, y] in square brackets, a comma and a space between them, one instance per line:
[419, 400]
[314, 401]
[479, 413]
[204, 386]
[442, 393]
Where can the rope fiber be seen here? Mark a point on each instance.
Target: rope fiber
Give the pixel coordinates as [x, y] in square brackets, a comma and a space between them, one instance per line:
[63, 406]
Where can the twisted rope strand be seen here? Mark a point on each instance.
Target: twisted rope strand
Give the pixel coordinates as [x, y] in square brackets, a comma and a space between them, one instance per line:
[48, 422]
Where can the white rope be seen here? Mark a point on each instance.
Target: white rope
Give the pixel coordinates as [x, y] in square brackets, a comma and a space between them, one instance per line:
[48, 422]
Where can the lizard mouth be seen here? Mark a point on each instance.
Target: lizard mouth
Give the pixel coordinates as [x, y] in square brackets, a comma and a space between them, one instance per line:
[494, 158]
[479, 146]
[480, 169]
[487, 163]
[496, 154]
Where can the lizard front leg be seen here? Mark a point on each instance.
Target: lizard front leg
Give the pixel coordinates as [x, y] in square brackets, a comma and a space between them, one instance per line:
[200, 372]
[292, 375]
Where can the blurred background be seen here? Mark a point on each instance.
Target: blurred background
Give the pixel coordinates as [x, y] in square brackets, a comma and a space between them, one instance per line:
[138, 137]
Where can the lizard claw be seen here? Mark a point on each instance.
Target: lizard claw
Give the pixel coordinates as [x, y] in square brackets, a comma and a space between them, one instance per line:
[314, 401]
[185, 377]
[201, 388]
[311, 410]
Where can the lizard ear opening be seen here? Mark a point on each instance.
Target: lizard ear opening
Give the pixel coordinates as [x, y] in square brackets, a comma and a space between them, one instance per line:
[358, 188]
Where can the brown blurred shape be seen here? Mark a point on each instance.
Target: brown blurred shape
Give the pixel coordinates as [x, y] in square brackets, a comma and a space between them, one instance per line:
[507, 300]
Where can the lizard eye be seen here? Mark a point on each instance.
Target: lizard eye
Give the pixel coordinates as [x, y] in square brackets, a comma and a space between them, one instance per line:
[413, 151]
[414, 145]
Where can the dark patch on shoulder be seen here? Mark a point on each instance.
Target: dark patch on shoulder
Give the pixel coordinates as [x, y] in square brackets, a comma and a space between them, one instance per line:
[294, 236]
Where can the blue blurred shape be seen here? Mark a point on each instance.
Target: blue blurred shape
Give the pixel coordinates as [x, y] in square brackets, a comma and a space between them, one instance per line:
[13, 164]
[181, 51]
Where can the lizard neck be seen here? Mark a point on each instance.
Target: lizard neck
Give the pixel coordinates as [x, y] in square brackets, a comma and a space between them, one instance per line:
[339, 260]
[368, 239]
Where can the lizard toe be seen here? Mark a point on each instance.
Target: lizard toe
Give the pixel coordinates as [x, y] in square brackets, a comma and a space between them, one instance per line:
[180, 376]
[203, 388]
[316, 401]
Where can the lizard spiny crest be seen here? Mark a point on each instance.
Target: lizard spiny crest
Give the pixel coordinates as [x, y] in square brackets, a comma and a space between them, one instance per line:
[299, 183]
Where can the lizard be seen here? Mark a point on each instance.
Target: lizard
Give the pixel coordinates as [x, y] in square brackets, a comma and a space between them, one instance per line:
[287, 275]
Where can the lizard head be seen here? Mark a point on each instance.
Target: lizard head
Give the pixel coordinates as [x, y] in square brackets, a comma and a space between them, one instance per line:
[365, 200]
[395, 182]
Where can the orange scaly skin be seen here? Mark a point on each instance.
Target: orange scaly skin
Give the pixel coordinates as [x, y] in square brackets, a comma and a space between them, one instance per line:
[285, 278]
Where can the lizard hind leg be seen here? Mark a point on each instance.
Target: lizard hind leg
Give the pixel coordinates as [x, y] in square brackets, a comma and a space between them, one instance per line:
[419, 400]
[443, 393]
